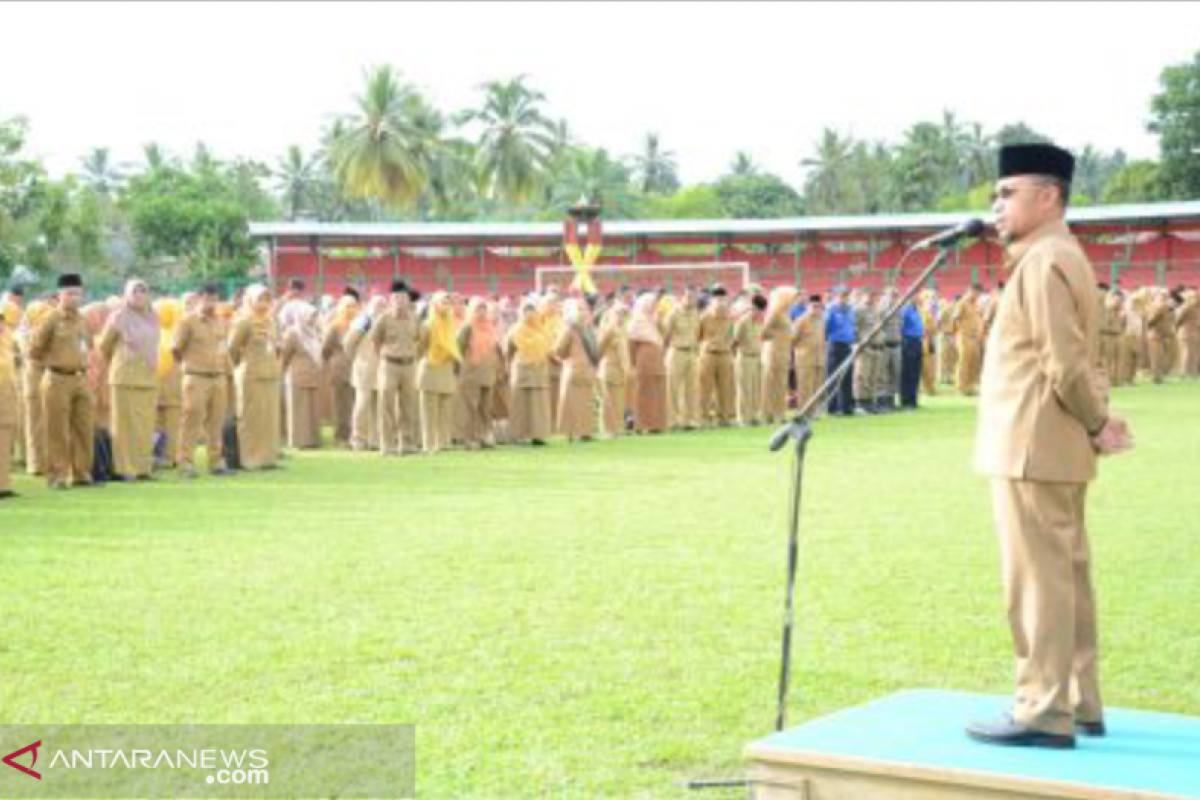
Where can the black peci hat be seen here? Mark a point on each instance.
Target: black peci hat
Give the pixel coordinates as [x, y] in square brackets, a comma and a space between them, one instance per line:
[1036, 159]
[70, 280]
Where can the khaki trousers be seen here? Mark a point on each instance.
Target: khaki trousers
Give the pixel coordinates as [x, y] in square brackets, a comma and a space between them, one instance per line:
[303, 420]
[7, 438]
[19, 442]
[437, 417]
[866, 373]
[1110, 355]
[1159, 362]
[399, 426]
[774, 391]
[365, 425]
[717, 387]
[947, 358]
[343, 410]
[204, 407]
[1128, 359]
[1051, 606]
[133, 415]
[612, 415]
[969, 364]
[749, 388]
[808, 380]
[929, 371]
[35, 425]
[477, 404]
[69, 415]
[1189, 356]
[683, 383]
[169, 420]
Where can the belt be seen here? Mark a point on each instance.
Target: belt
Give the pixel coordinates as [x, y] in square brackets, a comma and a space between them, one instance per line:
[204, 374]
[716, 352]
[72, 372]
[682, 349]
[895, 342]
[402, 361]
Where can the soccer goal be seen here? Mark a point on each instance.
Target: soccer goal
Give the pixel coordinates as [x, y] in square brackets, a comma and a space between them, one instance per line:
[733, 275]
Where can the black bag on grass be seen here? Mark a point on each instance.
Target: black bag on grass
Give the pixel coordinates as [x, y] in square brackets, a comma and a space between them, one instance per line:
[229, 443]
[102, 457]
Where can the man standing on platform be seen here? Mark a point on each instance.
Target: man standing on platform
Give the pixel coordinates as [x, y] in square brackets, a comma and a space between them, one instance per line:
[1042, 421]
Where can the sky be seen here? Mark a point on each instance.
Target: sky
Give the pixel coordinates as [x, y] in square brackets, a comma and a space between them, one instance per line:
[710, 78]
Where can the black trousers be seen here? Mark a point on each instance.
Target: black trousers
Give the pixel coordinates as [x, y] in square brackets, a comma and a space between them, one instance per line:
[910, 370]
[841, 399]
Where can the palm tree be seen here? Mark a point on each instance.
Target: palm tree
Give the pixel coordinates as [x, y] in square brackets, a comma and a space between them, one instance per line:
[155, 156]
[743, 164]
[295, 177]
[517, 140]
[378, 151]
[826, 185]
[656, 168]
[979, 157]
[593, 174]
[100, 174]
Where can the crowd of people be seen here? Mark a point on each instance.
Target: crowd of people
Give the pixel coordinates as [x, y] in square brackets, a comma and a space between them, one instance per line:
[146, 382]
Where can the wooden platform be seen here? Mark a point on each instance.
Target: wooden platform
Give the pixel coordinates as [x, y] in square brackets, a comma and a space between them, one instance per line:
[911, 746]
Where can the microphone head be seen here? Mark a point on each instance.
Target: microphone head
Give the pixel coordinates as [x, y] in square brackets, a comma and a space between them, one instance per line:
[973, 227]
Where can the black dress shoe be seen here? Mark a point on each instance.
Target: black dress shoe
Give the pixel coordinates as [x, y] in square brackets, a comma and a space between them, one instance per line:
[1095, 729]
[7, 494]
[1009, 733]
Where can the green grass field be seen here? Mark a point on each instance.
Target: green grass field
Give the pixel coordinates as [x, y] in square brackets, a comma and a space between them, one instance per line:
[578, 622]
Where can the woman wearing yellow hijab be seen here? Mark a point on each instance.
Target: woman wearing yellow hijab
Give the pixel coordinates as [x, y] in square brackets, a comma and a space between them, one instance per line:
[254, 348]
[527, 349]
[437, 379]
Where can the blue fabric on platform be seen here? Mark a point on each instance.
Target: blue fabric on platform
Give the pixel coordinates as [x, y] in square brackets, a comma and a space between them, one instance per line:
[1143, 751]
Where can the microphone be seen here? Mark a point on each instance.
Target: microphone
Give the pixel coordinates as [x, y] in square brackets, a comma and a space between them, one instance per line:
[968, 230]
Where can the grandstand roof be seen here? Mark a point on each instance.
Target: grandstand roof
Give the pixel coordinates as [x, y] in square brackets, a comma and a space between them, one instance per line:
[1184, 214]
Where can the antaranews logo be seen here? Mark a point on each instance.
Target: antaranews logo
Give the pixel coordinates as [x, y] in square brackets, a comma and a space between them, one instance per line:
[224, 766]
[10, 759]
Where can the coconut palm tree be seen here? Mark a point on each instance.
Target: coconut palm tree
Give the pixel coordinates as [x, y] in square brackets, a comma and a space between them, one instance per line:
[295, 179]
[828, 181]
[100, 174]
[378, 152]
[743, 164]
[517, 141]
[655, 167]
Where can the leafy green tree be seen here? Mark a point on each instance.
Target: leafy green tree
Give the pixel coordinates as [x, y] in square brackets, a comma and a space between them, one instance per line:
[758, 195]
[100, 174]
[1136, 182]
[743, 164]
[697, 201]
[593, 174]
[1175, 117]
[1019, 133]
[295, 181]
[828, 185]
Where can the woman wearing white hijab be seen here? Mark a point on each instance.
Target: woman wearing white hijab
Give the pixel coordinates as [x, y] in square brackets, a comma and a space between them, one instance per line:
[649, 369]
[130, 344]
[301, 364]
[254, 349]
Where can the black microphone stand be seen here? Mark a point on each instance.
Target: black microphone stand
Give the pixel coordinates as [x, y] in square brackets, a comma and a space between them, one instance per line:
[800, 431]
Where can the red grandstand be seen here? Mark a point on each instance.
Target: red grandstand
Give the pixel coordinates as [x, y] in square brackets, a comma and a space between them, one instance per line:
[1133, 245]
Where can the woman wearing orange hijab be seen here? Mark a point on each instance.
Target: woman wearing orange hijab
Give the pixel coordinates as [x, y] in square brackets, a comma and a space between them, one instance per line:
[478, 344]
[254, 348]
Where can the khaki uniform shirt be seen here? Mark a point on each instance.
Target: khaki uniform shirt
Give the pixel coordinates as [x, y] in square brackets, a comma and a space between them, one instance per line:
[682, 330]
[62, 342]
[199, 345]
[1039, 398]
[716, 331]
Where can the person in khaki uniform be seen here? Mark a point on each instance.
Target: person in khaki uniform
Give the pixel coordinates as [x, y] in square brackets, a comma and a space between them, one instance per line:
[198, 347]
[130, 343]
[300, 362]
[13, 312]
[808, 348]
[62, 344]
[870, 359]
[481, 368]
[579, 353]
[1042, 421]
[1132, 336]
[338, 366]
[929, 364]
[168, 420]
[716, 361]
[1187, 332]
[254, 350]
[394, 338]
[947, 342]
[614, 370]
[776, 336]
[1160, 329]
[1110, 333]
[366, 373]
[747, 358]
[527, 349]
[681, 334]
[436, 377]
[9, 405]
[552, 323]
[648, 366]
[968, 333]
[31, 382]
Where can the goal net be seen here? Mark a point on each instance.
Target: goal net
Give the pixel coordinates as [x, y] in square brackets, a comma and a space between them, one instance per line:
[733, 275]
